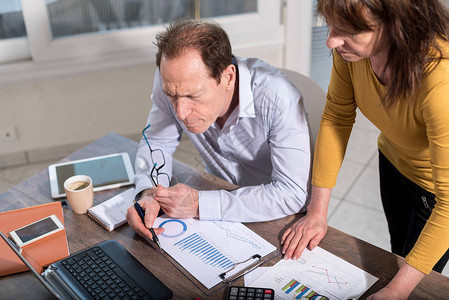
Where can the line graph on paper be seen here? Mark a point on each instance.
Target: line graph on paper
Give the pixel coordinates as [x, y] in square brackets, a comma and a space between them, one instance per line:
[317, 274]
[328, 277]
[233, 232]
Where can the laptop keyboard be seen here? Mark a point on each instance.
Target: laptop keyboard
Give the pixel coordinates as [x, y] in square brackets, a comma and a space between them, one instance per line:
[101, 277]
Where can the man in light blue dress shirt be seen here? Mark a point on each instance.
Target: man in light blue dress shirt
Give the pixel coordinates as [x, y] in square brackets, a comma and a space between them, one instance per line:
[245, 118]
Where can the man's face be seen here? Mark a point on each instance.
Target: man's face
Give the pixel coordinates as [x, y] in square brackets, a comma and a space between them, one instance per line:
[197, 98]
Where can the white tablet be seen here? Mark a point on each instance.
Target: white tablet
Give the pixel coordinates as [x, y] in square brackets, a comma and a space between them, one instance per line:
[108, 171]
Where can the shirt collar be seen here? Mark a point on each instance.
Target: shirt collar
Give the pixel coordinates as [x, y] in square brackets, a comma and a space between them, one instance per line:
[245, 108]
[246, 100]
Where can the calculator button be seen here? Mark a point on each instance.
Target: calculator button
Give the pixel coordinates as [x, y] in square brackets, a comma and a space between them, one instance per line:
[233, 291]
[244, 293]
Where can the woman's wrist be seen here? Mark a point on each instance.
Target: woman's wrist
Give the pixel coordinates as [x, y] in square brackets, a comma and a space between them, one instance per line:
[319, 202]
[405, 280]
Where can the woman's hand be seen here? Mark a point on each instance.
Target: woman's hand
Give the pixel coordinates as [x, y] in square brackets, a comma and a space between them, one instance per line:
[402, 284]
[306, 232]
[386, 293]
[310, 229]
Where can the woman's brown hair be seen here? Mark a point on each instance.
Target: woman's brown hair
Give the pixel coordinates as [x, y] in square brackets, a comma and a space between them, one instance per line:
[415, 28]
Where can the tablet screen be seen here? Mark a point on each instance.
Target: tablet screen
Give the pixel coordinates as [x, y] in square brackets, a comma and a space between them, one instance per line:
[103, 171]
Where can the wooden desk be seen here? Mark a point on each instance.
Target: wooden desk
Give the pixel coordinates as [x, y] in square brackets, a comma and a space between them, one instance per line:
[83, 232]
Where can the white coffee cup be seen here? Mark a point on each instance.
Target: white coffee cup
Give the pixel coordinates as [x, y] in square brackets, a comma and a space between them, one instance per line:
[80, 193]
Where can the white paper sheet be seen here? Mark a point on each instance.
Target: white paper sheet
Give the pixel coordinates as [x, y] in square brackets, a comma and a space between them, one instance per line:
[319, 272]
[253, 275]
[208, 248]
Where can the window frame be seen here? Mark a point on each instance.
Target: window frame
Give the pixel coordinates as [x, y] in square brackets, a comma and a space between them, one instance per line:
[50, 57]
[44, 48]
[14, 49]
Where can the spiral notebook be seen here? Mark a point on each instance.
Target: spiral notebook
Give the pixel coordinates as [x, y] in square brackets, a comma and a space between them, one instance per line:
[112, 213]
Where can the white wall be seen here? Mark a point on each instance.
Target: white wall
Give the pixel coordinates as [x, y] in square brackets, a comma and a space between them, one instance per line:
[53, 116]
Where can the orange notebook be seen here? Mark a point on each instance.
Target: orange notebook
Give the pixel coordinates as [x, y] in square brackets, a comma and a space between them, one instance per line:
[44, 251]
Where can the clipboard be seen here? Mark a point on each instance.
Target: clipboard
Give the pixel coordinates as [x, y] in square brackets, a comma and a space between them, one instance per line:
[226, 278]
[252, 263]
[212, 254]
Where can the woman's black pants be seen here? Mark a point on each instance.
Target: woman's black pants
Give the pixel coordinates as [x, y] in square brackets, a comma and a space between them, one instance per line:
[407, 208]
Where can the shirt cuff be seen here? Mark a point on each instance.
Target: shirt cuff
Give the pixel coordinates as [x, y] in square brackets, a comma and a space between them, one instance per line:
[142, 183]
[209, 205]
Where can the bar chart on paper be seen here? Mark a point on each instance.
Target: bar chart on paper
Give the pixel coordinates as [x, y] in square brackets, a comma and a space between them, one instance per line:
[209, 254]
[208, 248]
[298, 291]
[317, 274]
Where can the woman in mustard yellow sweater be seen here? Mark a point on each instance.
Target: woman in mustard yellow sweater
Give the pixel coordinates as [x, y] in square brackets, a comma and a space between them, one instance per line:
[390, 60]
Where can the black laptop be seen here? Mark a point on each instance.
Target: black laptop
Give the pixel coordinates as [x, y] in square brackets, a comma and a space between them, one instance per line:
[104, 271]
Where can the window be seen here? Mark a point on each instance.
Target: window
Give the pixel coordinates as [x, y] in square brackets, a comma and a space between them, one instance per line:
[74, 17]
[90, 30]
[321, 58]
[11, 20]
[13, 42]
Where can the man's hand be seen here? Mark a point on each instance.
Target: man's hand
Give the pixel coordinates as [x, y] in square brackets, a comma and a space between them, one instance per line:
[151, 209]
[178, 201]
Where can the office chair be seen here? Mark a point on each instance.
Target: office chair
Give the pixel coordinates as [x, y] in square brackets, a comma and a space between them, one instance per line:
[314, 99]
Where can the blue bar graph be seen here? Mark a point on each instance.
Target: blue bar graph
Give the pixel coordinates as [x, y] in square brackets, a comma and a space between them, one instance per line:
[200, 247]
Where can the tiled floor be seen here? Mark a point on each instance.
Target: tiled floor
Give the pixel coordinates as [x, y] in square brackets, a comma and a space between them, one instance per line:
[355, 206]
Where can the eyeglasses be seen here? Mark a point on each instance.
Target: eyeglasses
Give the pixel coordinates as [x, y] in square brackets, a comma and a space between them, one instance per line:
[158, 161]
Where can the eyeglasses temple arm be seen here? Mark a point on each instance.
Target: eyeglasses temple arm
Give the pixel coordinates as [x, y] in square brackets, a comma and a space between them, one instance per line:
[145, 137]
[153, 178]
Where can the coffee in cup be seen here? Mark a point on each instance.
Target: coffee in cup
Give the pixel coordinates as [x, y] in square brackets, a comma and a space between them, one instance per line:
[79, 192]
[78, 185]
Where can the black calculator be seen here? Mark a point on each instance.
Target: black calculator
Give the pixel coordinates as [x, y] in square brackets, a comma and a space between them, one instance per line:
[249, 293]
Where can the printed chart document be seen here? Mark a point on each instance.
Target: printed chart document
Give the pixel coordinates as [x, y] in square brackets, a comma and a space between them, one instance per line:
[207, 249]
[317, 274]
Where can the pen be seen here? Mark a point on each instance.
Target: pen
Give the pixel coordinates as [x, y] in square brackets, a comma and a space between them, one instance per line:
[141, 214]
